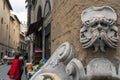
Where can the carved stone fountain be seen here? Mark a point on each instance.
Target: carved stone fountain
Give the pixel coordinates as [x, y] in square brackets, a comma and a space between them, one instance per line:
[99, 30]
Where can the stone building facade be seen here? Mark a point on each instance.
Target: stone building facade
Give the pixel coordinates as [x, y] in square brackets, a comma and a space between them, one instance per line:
[40, 26]
[5, 8]
[14, 29]
[23, 43]
[9, 28]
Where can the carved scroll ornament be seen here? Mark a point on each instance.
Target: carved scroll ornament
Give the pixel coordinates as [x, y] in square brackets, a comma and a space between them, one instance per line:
[99, 28]
[62, 65]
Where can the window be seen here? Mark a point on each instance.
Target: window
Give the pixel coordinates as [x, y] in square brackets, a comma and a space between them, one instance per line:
[7, 26]
[4, 4]
[14, 30]
[2, 21]
[34, 2]
[47, 8]
[9, 36]
[39, 14]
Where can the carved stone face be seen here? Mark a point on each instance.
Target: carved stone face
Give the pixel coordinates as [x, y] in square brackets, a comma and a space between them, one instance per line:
[99, 28]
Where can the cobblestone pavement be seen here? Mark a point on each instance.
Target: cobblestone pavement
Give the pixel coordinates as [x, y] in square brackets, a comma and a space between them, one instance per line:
[3, 72]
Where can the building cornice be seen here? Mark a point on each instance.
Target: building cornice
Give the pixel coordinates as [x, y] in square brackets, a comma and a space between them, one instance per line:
[8, 2]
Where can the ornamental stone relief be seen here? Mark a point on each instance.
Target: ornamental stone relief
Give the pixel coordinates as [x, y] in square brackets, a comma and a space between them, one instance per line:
[98, 31]
[98, 28]
[100, 66]
[62, 65]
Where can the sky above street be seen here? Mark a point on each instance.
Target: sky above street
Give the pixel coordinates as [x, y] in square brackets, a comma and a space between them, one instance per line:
[19, 9]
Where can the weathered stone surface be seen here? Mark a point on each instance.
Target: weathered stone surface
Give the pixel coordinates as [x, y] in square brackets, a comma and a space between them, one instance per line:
[101, 67]
[75, 70]
[63, 66]
[66, 23]
[99, 29]
[47, 76]
[119, 71]
[57, 63]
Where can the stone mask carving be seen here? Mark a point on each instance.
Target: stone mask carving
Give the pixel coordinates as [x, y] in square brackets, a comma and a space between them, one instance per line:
[99, 29]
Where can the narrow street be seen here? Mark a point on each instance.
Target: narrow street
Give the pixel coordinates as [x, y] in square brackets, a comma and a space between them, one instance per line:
[3, 72]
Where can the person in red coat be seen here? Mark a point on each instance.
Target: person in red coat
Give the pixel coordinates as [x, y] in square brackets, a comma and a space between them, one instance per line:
[14, 73]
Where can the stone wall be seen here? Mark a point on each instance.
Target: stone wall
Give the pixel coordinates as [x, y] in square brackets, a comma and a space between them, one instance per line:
[4, 25]
[14, 28]
[66, 24]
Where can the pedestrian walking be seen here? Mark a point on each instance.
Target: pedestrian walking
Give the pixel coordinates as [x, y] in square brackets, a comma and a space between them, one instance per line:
[21, 65]
[14, 73]
[1, 56]
[5, 58]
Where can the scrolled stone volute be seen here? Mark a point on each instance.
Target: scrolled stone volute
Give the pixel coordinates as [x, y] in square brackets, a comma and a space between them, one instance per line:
[57, 63]
[63, 66]
[75, 70]
[47, 76]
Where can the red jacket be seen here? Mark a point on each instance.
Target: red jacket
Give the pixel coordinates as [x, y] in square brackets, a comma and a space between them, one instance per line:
[15, 69]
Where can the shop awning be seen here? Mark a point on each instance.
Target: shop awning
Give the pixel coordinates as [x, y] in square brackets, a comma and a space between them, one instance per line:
[34, 27]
